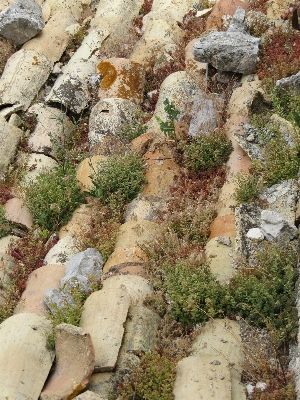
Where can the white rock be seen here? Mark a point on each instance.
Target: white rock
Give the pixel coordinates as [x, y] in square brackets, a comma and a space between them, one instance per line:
[255, 234]
[275, 227]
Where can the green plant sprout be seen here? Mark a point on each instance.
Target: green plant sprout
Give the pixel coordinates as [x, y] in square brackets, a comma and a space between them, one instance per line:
[168, 127]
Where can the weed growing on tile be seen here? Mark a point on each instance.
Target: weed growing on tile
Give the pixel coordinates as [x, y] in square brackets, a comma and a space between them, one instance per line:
[120, 177]
[130, 131]
[5, 227]
[53, 197]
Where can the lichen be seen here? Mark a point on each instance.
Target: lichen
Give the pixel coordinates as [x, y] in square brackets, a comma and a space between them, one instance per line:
[109, 73]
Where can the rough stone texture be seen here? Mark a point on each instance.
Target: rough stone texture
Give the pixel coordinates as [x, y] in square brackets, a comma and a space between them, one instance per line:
[197, 379]
[141, 144]
[5, 242]
[62, 251]
[24, 74]
[275, 227]
[122, 78]
[206, 113]
[9, 139]
[24, 358]
[53, 40]
[255, 234]
[84, 265]
[143, 208]
[84, 171]
[220, 8]
[80, 221]
[220, 258]
[283, 198]
[220, 338]
[276, 8]
[16, 211]
[253, 150]
[36, 164]
[71, 87]
[137, 287]
[161, 36]
[103, 317]
[39, 281]
[141, 330]
[120, 12]
[75, 357]
[182, 91]
[177, 8]
[107, 118]
[286, 128]
[135, 233]
[21, 21]
[290, 83]
[88, 395]
[78, 8]
[233, 50]
[128, 260]
[195, 69]
[52, 129]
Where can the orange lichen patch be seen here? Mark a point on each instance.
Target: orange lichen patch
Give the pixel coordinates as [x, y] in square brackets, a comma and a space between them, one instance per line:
[223, 226]
[109, 73]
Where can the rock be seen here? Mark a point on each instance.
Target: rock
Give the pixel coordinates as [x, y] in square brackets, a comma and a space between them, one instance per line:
[36, 164]
[17, 212]
[256, 21]
[286, 128]
[21, 21]
[103, 317]
[24, 74]
[137, 287]
[223, 7]
[107, 118]
[180, 90]
[143, 208]
[80, 221]
[141, 330]
[121, 78]
[220, 339]
[224, 240]
[52, 130]
[120, 12]
[82, 267]
[9, 139]
[196, 379]
[86, 169]
[53, 40]
[77, 7]
[195, 69]
[75, 357]
[141, 144]
[253, 150]
[276, 8]
[161, 36]
[206, 114]
[229, 51]
[283, 198]
[255, 234]
[176, 9]
[128, 260]
[221, 259]
[88, 395]
[56, 299]
[291, 83]
[6, 241]
[62, 251]
[7, 264]
[275, 227]
[39, 281]
[25, 359]
[72, 87]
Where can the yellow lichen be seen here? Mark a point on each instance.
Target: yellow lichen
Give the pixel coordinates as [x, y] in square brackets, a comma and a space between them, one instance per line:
[109, 73]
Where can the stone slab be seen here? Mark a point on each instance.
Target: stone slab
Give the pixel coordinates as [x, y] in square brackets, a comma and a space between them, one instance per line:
[9, 139]
[103, 317]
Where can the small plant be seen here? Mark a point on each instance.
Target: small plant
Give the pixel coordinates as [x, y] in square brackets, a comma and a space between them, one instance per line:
[246, 187]
[206, 152]
[153, 379]
[53, 197]
[135, 129]
[120, 178]
[5, 227]
[168, 127]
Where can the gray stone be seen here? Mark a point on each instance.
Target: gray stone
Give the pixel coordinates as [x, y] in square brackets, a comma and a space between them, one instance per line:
[83, 266]
[275, 227]
[25, 360]
[107, 118]
[74, 365]
[283, 198]
[253, 150]
[291, 83]
[237, 24]
[103, 316]
[24, 74]
[255, 234]
[9, 139]
[21, 21]
[57, 299]
[233, 50]
[205, 114]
